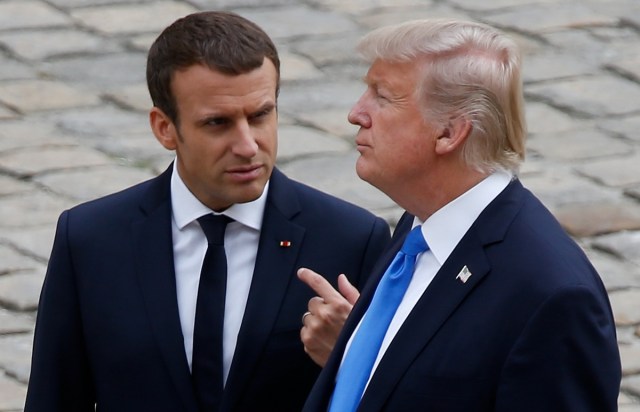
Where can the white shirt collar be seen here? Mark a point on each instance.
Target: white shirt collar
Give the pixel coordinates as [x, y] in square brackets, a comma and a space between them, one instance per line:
[186, 207]
[444, 229]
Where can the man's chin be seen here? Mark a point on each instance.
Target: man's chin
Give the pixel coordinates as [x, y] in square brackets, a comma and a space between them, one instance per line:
[251, 193]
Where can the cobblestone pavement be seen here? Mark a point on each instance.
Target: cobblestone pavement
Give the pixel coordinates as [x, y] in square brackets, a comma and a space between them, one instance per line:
[73, 125]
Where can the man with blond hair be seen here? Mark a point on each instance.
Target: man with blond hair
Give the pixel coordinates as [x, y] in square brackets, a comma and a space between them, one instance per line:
[488, 304]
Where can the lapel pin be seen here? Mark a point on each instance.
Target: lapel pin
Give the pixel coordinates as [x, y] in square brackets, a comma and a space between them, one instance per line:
[464, 274]
[285, 243]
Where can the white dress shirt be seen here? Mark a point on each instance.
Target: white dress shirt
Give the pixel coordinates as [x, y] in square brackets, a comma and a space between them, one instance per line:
[443, 231]
[189, 247]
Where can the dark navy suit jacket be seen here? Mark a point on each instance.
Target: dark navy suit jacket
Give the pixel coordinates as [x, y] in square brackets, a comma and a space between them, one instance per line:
[108, 330]
[530, 331]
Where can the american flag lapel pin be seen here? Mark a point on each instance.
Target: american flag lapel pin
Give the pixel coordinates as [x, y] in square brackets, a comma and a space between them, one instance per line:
[464, 274]
[285, 243]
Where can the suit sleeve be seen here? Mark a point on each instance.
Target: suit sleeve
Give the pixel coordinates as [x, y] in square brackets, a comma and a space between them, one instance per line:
[60, 379]
[566, 359]
[377, 243]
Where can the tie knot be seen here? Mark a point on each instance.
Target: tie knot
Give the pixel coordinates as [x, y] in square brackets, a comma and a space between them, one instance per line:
[414, 243]
[214, 227]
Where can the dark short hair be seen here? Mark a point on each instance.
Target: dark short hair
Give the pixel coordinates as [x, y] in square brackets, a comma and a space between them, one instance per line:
[222, 41]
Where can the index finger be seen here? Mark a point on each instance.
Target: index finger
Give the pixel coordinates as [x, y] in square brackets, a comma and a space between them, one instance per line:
[319, 284]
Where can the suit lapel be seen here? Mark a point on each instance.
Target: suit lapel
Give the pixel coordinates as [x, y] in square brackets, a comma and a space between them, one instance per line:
[323, 389]
[155, 267]
[440, 300]
[273, 271]
[444, 295]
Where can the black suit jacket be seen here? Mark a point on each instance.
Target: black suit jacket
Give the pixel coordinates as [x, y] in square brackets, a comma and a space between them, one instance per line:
[530, 331]
[108, 330]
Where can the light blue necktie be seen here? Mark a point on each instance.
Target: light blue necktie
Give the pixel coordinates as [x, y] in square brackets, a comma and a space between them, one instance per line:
[358, 362]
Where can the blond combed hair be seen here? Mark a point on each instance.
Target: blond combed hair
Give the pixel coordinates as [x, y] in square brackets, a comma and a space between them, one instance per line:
[470, 70]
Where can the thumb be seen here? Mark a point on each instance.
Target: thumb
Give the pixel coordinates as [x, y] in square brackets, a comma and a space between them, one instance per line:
[350, 293]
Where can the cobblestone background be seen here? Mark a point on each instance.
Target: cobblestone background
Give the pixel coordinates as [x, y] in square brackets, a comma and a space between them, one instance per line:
[73, 125]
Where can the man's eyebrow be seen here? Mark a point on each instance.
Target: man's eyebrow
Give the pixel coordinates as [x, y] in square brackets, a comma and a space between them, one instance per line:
[266, 106]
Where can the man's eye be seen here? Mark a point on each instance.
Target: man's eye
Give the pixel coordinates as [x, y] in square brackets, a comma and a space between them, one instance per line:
[261, 114]
[217, 121]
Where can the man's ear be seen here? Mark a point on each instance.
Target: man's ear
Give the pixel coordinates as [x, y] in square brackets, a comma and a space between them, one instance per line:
[453, 135]
[163, 128]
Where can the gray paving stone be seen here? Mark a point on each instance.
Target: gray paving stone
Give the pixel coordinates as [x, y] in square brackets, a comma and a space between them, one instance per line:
[628, 66]
[549, 16]
[21, 291]
[295, 142]
[29, 162]
[297, 21]
[581, 44]
[626, 306]
[142, 42]
[534, 165]
[228, 4]
[624, 400]
[134, 97]
[626, 335]
[135, 149]
[132, 18]
[317, 96]
[630, 355]
[614, 34]
[17, 14]
[9, 185]
[595, 96]
[101, 122]
[330, 49]
[34, 241]
[37, 45]
[624, 244]
[626, 127]
[333, 121]
[625, 10]
[616, 273]
[631, 385]
[578, 145]
[20, 134]
[296, 67]
[85, 3]
[12, 261]
[617, 172]
[87, 184]
[360, 7]
[553, 65]
[633, 192]
[12, 323]
[6, 113]
[12, 394]
[635, 407]
[556, 188]
[632, 18]
[15, 356]
[36, 95]
[30, 209]
[100, 74]
[594, 218]
[336, 174]
[494, 4]
[545, 120]
[384, 17]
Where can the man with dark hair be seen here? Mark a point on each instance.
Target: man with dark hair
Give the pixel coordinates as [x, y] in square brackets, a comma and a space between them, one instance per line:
[180, 293]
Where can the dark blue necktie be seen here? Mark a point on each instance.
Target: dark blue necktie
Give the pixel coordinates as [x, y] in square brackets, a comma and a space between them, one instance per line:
[358, 362]
[206, 362]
